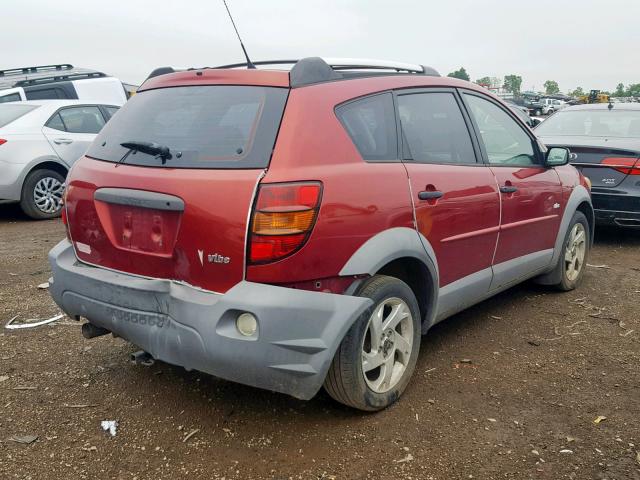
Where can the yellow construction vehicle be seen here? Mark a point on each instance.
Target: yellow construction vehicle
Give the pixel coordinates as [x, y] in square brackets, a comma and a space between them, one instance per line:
[594, 97]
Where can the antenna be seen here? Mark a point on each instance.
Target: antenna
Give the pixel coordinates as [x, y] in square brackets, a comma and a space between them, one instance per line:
[249, 62]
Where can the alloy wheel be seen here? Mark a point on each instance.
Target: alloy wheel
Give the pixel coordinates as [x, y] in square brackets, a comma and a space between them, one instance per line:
[47, 195]
[575, 252]
[387, 345]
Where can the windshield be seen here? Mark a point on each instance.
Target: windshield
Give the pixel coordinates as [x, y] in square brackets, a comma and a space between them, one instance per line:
[202, 126]
[595, 123]
[10, 113]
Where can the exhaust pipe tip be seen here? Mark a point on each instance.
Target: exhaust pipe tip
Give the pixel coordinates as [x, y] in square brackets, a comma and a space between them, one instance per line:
[142, 358]
[89, 330]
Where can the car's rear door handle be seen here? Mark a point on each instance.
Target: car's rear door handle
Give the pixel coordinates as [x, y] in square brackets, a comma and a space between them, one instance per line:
[508, 189]
[62, 141]
[429, 194]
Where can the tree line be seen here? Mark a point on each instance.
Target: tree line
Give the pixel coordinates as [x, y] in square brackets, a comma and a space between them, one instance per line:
[512, 83]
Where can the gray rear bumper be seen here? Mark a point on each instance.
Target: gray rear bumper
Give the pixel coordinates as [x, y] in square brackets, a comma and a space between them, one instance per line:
[298, 334]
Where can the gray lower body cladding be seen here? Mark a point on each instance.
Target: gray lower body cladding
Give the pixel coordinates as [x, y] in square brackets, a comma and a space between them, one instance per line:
[298, 331]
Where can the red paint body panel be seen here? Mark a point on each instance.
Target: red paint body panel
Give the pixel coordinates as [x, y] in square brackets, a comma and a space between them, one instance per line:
[462, 226]
[267, 78]
[531, 215]
[359, 199]
[214, 220]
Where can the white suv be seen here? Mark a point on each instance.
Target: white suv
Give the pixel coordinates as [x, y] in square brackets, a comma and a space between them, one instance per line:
[551, 105]
[39, 142]
[63, 81]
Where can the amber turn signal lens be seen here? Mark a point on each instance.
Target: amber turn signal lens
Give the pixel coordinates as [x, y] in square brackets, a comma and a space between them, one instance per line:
[282, 223]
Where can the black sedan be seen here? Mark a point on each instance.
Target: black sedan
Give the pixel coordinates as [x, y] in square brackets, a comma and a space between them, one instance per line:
[604, 140]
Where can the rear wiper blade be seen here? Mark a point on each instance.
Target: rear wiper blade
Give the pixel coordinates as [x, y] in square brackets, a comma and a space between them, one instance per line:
[150, 148]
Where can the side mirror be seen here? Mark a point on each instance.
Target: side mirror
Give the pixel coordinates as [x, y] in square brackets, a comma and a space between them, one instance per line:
[535, 122]
[557, 156]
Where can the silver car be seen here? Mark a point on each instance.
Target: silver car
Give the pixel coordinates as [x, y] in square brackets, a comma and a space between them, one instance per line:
[39, 141]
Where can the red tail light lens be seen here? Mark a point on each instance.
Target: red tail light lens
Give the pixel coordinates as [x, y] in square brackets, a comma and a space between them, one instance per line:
[626, 165]
[2, 141]
[282, 219]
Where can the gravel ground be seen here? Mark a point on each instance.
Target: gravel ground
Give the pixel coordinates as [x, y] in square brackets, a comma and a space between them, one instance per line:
[539, 368]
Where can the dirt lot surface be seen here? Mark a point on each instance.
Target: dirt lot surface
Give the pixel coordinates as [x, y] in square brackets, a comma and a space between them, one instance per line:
[539, 368]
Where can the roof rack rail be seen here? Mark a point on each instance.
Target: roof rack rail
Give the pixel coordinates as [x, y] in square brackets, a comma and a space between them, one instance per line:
[59, 78]
[35, 69]
[310, 70]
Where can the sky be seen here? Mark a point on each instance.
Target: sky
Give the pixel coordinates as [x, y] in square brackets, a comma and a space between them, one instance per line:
[587, 43]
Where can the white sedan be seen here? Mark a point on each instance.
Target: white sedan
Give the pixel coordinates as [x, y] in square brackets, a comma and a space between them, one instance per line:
[39, 141]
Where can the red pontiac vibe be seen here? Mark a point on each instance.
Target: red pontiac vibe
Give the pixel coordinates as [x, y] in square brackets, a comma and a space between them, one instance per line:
[294, 229]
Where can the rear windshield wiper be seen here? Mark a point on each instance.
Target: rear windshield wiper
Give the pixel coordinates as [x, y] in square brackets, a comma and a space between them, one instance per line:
[150, 148]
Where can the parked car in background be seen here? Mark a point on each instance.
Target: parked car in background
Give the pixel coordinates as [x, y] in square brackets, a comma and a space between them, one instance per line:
[523, 113]
[57, 82]
[604, 141]
[551, 105]
[39, 142]
[292, 229]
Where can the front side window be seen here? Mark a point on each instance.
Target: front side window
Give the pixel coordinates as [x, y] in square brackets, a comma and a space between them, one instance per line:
[434, 130]
[371, 124]
[505, 142]
[82, 119]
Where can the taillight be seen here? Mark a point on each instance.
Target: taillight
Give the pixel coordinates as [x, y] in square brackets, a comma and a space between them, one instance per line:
[282, 219]
[626, 165]
[2, 141]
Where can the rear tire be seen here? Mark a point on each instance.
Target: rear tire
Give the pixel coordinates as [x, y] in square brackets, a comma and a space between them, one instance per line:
[377, 356]
[574, 254]
[42, 194]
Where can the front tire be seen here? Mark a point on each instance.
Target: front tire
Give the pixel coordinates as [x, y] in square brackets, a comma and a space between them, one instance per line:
[42, 194]
[377, 356]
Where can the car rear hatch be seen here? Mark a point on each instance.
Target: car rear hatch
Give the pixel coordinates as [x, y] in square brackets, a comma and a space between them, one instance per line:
[174, 201]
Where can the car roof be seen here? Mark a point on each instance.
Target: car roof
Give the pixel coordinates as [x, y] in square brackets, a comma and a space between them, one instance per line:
[301, 73]
[604, 106]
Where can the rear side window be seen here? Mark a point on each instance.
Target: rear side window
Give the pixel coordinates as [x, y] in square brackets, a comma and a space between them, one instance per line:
[434, 130]
[86, 119]
[10, 113]
[45, 94]
[55, 122]
[203, 126]
[12, 97]
[371, 124]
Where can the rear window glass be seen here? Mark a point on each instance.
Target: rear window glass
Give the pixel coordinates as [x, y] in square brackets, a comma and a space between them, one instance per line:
[371, 124]
[12, 97]
[203, 127]
[9, 113]
[596, 123]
